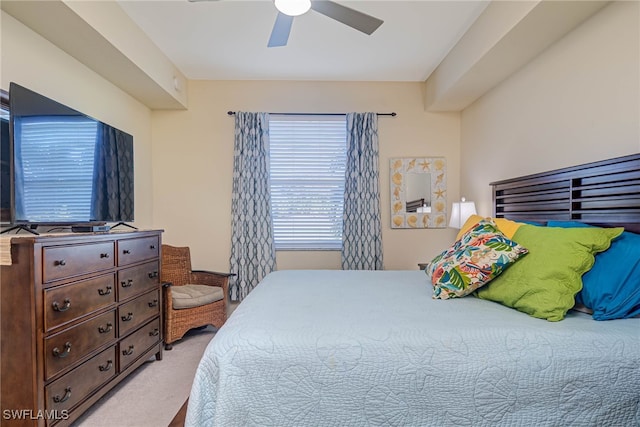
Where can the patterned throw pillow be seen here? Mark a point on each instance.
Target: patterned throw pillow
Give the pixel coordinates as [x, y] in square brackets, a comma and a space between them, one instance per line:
[480, 255]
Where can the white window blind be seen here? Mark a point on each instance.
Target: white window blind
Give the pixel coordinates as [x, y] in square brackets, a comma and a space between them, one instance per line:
[59, 141]
[308, 158]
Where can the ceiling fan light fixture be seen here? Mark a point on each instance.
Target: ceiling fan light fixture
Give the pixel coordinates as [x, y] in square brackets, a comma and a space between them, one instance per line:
[293, 7]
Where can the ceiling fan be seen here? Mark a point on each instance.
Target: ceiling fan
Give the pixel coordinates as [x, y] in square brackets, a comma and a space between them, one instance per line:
[288, 9]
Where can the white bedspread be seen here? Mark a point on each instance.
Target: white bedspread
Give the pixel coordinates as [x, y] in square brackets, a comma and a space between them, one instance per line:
[346, 348]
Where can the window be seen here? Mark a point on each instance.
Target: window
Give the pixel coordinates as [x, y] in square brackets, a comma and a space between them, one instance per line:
[58, 140]
[308, 158]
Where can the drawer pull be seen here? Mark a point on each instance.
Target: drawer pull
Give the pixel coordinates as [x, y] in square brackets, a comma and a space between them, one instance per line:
[104, 255]
[64, 353]
[154, 333]
[128, 352]
[67, 395]
[152, 247]
[65, 307]
[106, 291]
[127, 284]
[153, 303]
[104, 368]
[126, 252]
[59, 263]
[106, 328]
[128, 317]
[153, 275]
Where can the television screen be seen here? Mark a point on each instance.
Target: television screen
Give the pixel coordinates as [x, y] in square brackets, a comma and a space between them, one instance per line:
[68, 168]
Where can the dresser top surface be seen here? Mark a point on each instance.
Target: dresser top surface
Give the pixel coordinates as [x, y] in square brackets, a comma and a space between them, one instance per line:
[66, 235]
[65, 238]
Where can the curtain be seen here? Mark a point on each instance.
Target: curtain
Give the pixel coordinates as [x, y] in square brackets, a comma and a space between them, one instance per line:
[253, 254]
[361, 230]
[112, 198]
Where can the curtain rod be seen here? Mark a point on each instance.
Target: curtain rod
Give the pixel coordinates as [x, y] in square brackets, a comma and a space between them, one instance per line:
[393, 114]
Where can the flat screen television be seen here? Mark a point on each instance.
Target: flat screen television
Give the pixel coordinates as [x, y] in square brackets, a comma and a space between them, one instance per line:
[66, 168]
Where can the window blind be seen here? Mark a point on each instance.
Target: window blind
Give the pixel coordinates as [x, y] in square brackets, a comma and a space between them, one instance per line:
[68, 140]
[307, 168]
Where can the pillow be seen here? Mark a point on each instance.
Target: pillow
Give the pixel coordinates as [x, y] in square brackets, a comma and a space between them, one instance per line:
[506, 226]
[481, 254]
[544, 283]
[611, 289]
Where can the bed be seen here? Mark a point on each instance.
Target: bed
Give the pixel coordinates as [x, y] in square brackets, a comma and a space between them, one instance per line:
[374, 348]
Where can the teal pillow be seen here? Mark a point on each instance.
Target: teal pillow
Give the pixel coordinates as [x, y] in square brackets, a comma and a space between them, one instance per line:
[544, 283]
[611, 289]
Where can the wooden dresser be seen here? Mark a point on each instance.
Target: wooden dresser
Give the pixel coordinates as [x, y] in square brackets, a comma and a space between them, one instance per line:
[79, 312]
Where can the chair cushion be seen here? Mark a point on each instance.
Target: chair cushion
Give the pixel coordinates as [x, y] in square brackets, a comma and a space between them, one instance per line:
[188, 296]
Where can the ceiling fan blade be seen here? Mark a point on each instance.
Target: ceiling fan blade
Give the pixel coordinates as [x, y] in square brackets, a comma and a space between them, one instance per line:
[281, 30]
[357, 20]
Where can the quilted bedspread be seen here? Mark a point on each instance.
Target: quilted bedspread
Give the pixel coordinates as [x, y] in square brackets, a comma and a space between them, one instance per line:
[372, 348]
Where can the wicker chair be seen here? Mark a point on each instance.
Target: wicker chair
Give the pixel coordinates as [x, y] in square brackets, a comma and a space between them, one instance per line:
[192, 299]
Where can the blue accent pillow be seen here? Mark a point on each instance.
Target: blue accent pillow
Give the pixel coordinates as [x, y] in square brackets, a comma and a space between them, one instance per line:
[612, 287]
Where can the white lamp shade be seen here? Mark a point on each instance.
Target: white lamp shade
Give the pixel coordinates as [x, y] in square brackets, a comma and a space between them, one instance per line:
[293, 7]
[460, 213]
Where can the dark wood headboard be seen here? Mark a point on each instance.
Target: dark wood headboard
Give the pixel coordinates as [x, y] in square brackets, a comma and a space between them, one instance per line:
[603, 193]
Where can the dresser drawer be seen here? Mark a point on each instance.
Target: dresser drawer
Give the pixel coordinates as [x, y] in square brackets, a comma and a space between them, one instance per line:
[60, 262]
[135, 250]
[65, 392]
[137, 343]
[135, 280]
[67, 347]
[68, 302]
[137, 311]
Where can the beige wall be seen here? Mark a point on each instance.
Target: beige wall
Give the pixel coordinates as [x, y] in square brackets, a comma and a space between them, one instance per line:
[35, 63]
[577, 102]
[193, 159]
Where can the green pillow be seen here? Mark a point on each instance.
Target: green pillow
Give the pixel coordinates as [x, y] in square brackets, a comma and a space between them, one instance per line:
[544, 283]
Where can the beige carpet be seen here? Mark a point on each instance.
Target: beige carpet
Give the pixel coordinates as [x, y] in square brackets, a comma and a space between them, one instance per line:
[154, 393]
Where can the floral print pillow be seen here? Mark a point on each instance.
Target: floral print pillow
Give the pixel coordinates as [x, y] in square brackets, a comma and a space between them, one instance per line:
[481, 254]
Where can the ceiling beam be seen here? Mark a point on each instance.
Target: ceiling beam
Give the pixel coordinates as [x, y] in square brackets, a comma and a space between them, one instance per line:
[103, 37]
[505, 37]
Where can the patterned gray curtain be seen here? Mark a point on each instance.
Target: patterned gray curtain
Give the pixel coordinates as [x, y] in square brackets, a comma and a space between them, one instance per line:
[361, 230]
[253, 253]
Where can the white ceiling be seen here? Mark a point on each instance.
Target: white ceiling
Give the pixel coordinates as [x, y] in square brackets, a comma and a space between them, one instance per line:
[227, 39]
